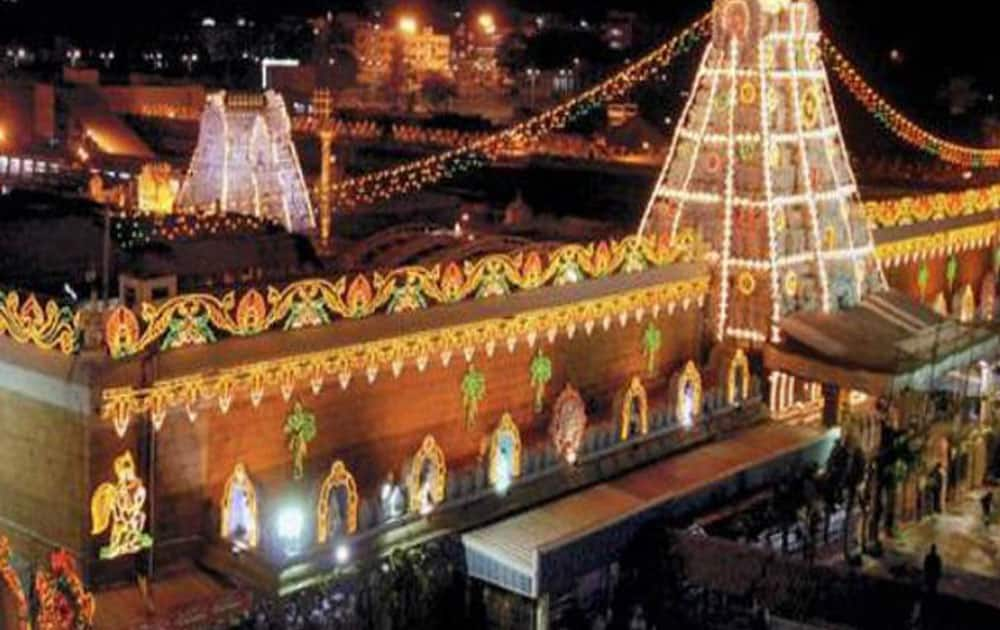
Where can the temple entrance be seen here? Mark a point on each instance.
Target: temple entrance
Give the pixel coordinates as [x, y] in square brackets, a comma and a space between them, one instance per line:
[427, 478]
[239, 509]
[337, 509]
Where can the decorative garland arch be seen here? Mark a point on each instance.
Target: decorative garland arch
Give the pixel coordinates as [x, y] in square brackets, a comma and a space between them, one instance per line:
[339, 477]
[506, 428]
[429, 451]
[738, 362]
[240, 479]
[60, 584]
[688, 376]
[635, 392]
[12, 583]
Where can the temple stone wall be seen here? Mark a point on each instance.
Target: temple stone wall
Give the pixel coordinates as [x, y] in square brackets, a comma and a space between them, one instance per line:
[973, 266]
[42, 481]
[376, 428]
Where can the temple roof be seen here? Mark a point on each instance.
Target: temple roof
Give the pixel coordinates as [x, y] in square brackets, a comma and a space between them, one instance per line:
[887, 340]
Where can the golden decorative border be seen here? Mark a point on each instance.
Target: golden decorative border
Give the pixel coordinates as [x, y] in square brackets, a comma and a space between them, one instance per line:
[921, 208]
[121, 404]
[937, 244]
[26, 320]
[200, 318]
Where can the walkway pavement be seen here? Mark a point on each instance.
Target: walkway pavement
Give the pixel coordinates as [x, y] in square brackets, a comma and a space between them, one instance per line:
[969, 550]
[185, 598]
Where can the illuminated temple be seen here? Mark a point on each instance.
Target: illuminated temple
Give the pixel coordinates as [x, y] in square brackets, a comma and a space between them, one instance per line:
[246, 162]
[269, 429]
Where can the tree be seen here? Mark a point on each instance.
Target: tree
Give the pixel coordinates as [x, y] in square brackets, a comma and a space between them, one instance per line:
[473, 392]
[512, 53]
[652, 341]
[541, 374]
[437, 90]
[300, 428]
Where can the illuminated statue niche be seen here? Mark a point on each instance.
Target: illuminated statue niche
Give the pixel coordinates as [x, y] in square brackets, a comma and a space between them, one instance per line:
[634, 410]
[428, 475]
[687, 392]
[240, 523]
[120, 504]
[505, 454]
[337, 509]
[738, 378]
[941, 305]
[967, 305]
[569, 420]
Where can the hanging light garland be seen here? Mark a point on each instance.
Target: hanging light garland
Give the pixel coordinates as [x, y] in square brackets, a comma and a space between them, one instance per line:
[416, 175]
[133, 230]
[901, 126]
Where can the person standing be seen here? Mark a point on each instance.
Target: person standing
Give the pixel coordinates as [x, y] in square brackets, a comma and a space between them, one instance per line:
[986, 501]
[932, 570]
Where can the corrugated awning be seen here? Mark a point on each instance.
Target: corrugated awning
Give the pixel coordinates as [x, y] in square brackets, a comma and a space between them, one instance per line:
[545, 549]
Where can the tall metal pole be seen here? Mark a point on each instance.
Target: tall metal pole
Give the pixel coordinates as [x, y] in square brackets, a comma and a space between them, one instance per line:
[106, 256]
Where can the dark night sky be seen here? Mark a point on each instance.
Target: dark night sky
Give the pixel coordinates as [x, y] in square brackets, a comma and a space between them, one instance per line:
[938, 40]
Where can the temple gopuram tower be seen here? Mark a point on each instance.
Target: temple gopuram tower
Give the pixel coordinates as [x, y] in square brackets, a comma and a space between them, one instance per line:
[246, 162]
[759, 171]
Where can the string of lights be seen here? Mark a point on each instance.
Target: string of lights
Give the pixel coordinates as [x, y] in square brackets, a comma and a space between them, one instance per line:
[898, 124]
[416, 175]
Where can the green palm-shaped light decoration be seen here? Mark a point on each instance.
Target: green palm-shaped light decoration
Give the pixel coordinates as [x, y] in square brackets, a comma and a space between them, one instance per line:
[473, 392]
[923, 277]
[652, 341]
[541, 374]
[952, 271]
[300, 428]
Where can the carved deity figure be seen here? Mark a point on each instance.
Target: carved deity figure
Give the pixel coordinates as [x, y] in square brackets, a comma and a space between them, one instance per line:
[120, 505]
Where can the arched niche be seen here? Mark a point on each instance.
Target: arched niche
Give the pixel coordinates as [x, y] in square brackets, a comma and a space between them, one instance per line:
[687, 394]
[428, 475]
[505, 454]
[633, 410]
[240, 522]
[737, 378]
[340, 518]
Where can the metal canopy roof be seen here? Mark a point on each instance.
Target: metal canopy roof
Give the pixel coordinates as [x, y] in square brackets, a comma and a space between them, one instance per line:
[544, 549]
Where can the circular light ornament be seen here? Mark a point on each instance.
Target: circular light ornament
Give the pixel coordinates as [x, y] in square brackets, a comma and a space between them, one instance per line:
[810, 107]
[748, 93]
[746, 283]
[713, 163]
